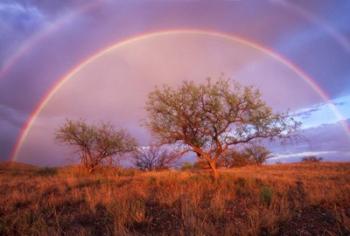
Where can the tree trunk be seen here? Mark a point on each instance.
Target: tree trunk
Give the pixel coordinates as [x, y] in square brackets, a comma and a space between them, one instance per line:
[90, 168]
[214, 170]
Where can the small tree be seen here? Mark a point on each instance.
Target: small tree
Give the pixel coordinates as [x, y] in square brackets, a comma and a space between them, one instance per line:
[311, 159]
[235, 158]
[257, 154]
[95, 144]
[209, 119]
[154, 158]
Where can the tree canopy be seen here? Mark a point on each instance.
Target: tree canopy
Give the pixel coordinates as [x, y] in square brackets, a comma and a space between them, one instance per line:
[212, 117]
[95, 143]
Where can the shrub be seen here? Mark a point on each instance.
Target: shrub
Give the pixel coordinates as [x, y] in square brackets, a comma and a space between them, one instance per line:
[235, 159]
[257, 154]
[252, 155]
[46, 171]
[242, 187]
[187, 166]
[266, 195]
[155, 158]
[311, 159]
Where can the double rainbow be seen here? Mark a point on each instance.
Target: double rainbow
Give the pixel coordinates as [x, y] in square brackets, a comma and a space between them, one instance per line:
[47, 97]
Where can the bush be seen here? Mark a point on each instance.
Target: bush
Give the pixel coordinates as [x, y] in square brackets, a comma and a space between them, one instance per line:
[242, 188]
[252, 155]
[235, 159]
[257, 154]
[155, 158]
[47, 171]
[187, 166]
[311, 159]
[266, 195]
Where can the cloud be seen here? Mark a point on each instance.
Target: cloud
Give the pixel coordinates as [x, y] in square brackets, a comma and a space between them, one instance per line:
[11, 116]
[301, 154]
[17, 23]
[324, 113]
[330, 141]
[297, 157]
[22, 19]
[306, 113]
[10, 125]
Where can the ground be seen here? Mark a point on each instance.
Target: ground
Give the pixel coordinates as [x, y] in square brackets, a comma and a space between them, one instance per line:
[285, 199]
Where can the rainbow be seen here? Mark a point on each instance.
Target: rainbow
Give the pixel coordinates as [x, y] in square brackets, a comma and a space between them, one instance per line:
[41, 35]
[47, 97]
[333, 33]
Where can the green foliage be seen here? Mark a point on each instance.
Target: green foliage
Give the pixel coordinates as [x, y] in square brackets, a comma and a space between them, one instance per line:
[210, 118]
[266, 194]
[235, 159]
[253, 154]
[257, 154]
[198, 114]
[95, 143]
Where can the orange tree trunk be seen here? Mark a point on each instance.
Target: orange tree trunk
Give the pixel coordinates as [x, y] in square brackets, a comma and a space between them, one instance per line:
[215, 173]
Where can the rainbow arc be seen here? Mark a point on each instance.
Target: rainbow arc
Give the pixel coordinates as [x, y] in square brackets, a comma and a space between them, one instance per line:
[60, 82]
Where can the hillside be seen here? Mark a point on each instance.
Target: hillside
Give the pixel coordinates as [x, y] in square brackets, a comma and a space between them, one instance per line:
[7, 167]
[288, 199]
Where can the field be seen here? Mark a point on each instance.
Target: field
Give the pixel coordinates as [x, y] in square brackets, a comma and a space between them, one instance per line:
[285, 199]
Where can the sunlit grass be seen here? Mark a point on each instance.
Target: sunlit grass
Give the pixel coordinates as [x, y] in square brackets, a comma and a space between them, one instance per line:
[272, 199]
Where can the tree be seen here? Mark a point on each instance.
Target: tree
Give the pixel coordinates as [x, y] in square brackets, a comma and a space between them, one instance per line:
[95, 143]
[250, 155]
[155, 158]
[210, 118]
[200, 164]
[234, 158]
[257, 154]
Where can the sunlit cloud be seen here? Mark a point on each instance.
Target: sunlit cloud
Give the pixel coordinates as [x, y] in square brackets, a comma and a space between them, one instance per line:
[322, 113]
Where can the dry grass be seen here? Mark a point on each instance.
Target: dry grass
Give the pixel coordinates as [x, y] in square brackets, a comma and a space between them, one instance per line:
[293, 199]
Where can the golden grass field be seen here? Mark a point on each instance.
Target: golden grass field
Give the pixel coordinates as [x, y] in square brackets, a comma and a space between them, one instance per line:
[285, 199]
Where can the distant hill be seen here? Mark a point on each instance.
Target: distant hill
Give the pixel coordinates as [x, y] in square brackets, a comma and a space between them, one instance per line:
[16, 165]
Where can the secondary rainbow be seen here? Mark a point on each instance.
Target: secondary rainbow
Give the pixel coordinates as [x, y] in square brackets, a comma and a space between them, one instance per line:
[41, 35]
[27, 126]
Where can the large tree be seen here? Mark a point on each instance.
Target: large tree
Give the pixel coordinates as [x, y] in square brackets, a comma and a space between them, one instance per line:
[211, 118]
[95, 143]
